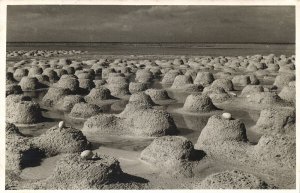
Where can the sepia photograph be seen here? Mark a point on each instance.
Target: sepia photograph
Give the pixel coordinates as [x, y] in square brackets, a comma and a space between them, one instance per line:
[150, 97]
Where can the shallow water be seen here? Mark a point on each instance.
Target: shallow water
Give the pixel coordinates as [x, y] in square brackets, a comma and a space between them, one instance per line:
[42, 171]
[189, 126]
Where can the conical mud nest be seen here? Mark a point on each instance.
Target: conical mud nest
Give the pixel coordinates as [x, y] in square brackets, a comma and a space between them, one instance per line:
[280, 120]
[55, 96]
[135, 120]
[22, 110]
[234, 179]
[63, 139]
[198, 103]
[172, 154]
[85, 110]
[226, 139]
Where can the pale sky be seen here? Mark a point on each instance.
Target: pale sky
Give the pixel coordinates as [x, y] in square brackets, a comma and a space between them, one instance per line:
[103, 23]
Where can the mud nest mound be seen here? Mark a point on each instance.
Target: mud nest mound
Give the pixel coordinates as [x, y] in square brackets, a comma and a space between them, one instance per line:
[249, 89]
[19, 151]
[288, 68]
[158, 94]
[226, 139]
[54, 96]
[198, 103]
[22, 110]
[69, 69]
[172, 154]
[144, 76]
[276, 121]
[276, 151]
[86, 75]
[58, 140]
[20, 73]
[135, 87]
[35, 71]
[204, 78]
[170, 76]
[70, 101]
[43, 79]
[241, 80]
[251, 67]
[273, 67]
[217, 95]
[181, 81]
[60, 72]
[99, 83]
[107, 71]
[52, 75]
[234, 179]
[223, 75]
[266, 98]
[163, 151]
[85, 110]
[74, 172]
[116, 78]
[283, 79]
[68, 82]
[13, 89]
[107, 124]
[97, 95]
[223, 138]
[223, 83]
[119, 89]
[135, 120]
[191, 72]
[86, 84]
[30, 83]
[150, 122]
[288, 93]
[142, 99]
[219, 129]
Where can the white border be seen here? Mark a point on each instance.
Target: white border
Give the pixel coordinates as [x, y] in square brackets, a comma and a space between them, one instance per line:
[4, 3]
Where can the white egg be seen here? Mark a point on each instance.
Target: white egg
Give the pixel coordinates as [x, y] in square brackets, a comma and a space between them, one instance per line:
[86, 154]
[61, 124]
[226, 115]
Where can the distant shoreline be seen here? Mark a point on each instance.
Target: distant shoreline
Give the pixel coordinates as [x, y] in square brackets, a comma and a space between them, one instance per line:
[131, 43]
[163, 48]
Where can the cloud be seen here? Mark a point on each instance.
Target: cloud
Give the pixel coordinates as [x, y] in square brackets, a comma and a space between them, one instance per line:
[151, 23]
